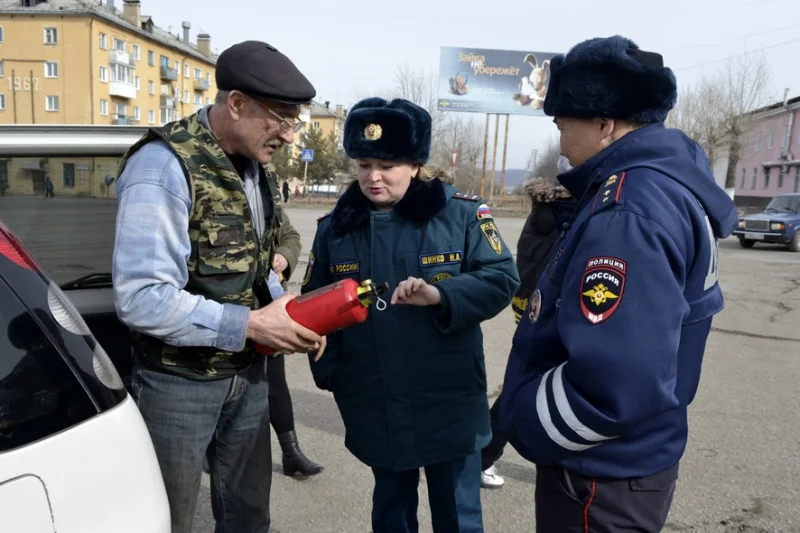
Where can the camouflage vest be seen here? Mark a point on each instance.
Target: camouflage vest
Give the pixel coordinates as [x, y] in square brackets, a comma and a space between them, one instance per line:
[226, 261]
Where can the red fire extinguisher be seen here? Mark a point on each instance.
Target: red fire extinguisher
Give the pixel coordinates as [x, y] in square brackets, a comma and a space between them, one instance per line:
[333, 307]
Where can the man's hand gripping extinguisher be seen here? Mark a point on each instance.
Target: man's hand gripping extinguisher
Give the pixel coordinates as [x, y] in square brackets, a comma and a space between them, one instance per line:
[333, 307]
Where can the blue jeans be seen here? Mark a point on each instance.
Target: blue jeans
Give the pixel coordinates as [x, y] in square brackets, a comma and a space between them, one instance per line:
[454, 493]
[226, 419]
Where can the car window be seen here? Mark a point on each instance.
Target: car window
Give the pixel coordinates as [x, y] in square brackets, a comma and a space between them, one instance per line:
[39, 394]
[71, 231]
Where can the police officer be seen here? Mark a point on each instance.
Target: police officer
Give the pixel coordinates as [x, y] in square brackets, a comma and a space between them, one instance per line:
[410, 382]
[196, 236]
[607, 357]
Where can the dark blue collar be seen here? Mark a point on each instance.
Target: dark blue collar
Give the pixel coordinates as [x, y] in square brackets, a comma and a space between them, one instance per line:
[597, 168]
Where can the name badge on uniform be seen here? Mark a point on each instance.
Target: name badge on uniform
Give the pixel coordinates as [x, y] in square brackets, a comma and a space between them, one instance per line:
[441, 258]
[535, 306]
[351, 267]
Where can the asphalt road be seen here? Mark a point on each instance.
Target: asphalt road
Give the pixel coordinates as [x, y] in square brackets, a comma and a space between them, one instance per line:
[741, 471]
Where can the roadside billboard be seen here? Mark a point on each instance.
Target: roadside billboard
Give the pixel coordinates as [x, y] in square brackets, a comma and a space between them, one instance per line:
[481, 80]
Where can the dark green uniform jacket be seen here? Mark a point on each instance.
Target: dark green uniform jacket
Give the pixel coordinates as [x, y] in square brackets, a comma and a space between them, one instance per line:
[410, 382]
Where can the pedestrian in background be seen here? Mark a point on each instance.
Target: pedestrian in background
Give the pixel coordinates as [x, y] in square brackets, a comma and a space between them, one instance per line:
[410, 382]
[607, 358]
[552, 205]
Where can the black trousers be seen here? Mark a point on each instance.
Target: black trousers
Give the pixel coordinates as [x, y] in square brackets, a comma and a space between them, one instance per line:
[568, 503]
[494, 450]
[281, 415]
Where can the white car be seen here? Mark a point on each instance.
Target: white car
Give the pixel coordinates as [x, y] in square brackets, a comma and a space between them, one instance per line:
[75, 454]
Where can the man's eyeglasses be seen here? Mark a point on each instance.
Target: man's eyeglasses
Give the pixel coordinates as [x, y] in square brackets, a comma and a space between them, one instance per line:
[286, 123]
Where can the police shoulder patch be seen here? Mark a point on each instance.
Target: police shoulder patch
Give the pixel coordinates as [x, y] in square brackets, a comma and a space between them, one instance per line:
[602, 287]
[462, 196]
[610, 193]
[493, 236]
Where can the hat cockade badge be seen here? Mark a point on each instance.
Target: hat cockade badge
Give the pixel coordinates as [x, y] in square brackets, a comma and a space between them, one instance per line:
[373, 132]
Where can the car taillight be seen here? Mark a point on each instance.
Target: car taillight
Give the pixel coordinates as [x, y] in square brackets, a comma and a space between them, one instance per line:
[11, 248]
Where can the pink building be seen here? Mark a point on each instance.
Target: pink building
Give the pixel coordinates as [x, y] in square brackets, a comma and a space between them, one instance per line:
[770, 162]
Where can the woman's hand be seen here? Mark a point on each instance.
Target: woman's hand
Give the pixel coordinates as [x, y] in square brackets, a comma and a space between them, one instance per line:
[414, 291]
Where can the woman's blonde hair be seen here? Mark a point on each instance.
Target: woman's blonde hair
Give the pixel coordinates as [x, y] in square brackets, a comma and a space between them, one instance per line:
[430, 173]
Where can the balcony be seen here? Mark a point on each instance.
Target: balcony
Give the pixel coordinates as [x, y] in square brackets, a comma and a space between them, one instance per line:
[121, 58]
[169, 74]
[167, 101]
[121, 120]
[122, 89]
[201, 84]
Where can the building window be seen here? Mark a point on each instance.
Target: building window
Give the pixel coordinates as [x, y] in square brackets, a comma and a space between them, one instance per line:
[755, 177]
[103, 74]
[780, 179]
[208, 77]
[137, 52]
[208, 100]
[120, 110]
[164, 61]
[50, 36]
[51, 103]
[104, 107]
[758, 141]
[198, 99]
[2, 102]
[69, 175]
[103, 41]
[316, 125]
[138, 83]
[119, 45]
[122, 74]
[744, 175]
[176, 65]
[50, 69]
[771, 140]
[766, 177]
[137, 114]
[198, 74]
[186, 70]
[151, 87]
[796, 179]
[151, 58]
[186, 97]
[2, 69]
[1, 34]
[151, 117]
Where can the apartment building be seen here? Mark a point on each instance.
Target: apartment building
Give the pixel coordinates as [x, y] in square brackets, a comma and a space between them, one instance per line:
[326, 120]
[87, 62]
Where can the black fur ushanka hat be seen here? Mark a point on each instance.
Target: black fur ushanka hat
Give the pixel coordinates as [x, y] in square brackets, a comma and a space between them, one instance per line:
[610, 78]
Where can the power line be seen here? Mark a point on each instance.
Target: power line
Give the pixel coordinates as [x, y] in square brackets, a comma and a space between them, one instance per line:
[740, 38]
[738, 55]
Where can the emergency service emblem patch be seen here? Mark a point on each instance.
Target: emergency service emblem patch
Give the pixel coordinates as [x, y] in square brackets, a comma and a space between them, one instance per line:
[484, 212]
[602, 287]
[535, 306]
[493, 236]
[307, 277]
[441, 276]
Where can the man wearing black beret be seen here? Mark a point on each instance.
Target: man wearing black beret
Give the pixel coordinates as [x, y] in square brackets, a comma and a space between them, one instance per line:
[607, 358]
[196, 236]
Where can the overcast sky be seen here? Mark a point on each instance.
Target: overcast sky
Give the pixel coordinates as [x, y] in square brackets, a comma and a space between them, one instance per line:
[350, 45]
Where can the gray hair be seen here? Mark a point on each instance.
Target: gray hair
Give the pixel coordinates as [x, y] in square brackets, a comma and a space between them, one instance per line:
[222, 100]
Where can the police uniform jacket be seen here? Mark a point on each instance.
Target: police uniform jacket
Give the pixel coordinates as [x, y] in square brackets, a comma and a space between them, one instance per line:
[607, 359]
[410, 382]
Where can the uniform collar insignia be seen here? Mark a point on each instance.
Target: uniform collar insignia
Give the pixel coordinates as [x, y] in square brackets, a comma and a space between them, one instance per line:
[423, 201]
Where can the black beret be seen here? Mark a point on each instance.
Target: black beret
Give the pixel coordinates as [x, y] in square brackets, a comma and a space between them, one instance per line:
[260, 70]
[610, 78]
[395, 131]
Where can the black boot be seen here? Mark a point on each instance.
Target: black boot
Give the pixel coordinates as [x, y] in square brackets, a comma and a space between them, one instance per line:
[294, 461]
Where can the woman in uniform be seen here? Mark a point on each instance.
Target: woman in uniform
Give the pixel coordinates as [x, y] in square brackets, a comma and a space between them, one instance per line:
[410, 382]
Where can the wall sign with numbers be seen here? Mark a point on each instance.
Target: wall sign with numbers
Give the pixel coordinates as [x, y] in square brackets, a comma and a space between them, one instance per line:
[21, 84]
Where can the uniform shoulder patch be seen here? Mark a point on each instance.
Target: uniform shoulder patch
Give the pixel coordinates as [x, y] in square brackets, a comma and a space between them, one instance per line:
[484, 212]
[610, 193]
[309, 268]
[462, 196]
[493, 236]
[602, 287]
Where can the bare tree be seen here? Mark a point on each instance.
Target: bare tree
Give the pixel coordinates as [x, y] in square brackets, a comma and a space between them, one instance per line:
[543, 162]
[745, 83]
[700, 114]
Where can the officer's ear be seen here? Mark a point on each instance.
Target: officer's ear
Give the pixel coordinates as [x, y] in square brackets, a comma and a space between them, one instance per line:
[607, 127]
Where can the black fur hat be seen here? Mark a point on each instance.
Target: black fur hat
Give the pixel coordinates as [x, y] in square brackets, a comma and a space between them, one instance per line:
[610, 78]
[395, 131]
